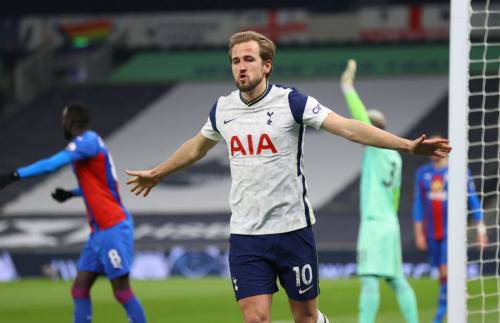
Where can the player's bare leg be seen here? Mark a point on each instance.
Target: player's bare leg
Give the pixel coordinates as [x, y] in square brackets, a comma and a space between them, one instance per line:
[120, 283]
[125, 296]
[80, 291]
[85, 279]
[306, 312]
[256, 309]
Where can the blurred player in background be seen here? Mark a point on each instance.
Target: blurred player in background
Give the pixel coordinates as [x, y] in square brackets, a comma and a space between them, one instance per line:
[379, 240]
[263, 126]
[109, 249]
[430, 216]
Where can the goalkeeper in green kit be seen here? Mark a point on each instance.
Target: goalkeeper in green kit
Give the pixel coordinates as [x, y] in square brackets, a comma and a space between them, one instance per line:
[379, 241]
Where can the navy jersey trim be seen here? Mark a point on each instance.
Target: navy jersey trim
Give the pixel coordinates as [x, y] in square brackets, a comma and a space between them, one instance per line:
[306, 206]
[299, 173]
[212, 117]
[299, 149]
[297, 102]
[259, 98]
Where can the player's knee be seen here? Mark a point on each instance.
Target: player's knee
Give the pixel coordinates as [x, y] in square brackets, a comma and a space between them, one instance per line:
[256, 316]
[123, 296]
[398, 284]
[79, 292]
[369, 285]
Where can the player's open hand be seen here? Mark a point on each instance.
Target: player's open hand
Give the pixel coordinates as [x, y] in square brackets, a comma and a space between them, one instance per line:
[437, 147]
[421, 242]
[142, 181]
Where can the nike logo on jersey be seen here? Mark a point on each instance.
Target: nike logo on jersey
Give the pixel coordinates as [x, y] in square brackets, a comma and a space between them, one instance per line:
[302, 291]
[227, 121]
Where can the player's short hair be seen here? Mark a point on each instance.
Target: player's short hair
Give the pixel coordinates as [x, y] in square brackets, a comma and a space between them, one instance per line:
[77, 115]
[266, 46]
[377, 118]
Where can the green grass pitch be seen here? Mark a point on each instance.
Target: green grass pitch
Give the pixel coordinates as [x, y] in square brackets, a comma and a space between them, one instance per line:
[208, 300]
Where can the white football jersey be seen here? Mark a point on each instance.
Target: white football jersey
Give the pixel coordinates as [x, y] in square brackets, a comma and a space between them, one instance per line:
[265, 140]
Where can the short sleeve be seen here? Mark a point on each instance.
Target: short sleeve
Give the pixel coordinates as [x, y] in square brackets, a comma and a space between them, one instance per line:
[307, 110]
[82, 147]
[314, 113]
[210, 130]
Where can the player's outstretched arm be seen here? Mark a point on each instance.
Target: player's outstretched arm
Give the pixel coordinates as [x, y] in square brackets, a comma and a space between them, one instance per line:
[354, 102]
[40, 167]
[190, 152]
[369, 135]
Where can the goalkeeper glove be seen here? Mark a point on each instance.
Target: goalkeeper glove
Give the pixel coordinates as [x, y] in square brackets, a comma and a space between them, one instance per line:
[6, 179]
[61, 195]
[347, 77]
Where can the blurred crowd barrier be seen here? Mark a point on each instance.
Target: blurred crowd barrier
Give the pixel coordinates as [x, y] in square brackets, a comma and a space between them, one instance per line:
[192, 263]
[426, 22]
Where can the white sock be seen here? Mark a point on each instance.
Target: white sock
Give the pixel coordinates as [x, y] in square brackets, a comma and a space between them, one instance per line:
[322, 318]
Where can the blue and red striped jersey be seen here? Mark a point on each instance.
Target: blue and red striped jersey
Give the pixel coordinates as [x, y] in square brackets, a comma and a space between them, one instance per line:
[430, 203]
[95, 171]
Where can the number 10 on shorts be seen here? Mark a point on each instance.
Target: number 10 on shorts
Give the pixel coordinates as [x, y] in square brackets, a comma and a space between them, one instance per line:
[305, 274]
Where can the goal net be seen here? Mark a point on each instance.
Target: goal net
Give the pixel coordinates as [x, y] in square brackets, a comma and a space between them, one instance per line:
[474, 121]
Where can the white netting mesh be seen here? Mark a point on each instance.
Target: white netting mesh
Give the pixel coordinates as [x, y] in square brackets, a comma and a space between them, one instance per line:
[483, 287]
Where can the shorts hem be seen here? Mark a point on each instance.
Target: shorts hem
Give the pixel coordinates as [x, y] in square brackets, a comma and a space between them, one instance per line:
[116, 275]
[304, 299]
[238, 298]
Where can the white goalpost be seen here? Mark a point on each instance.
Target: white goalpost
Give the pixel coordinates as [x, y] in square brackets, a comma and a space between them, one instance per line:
[474, 132]
[457, 122]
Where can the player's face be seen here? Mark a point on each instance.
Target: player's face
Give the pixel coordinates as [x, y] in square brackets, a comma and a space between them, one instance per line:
[248, 68]
[439, 160]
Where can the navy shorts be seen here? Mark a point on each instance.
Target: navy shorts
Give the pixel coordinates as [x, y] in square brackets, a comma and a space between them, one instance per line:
[109, 251]
[257, 261]
[437, 252]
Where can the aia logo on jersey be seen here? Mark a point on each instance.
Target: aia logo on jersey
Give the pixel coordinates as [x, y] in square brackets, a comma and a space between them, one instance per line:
[246, 146]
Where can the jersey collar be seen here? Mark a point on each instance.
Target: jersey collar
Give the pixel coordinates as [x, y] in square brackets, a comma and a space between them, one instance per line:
[259, 98]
